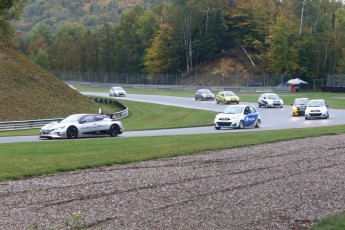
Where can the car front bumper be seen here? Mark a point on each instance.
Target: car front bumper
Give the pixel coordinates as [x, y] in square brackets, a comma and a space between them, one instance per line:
[233, 123]
[316, 115]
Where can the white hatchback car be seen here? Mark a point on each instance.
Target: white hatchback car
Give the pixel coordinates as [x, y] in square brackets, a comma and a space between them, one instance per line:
[117, 91]
[270, 100]
[317, 109]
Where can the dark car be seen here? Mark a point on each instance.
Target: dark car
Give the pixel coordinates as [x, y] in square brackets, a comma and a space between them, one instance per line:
[299, 105]
[204, 94]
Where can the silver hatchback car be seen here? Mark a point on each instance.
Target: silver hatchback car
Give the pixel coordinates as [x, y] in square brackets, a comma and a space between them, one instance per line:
[204, 94]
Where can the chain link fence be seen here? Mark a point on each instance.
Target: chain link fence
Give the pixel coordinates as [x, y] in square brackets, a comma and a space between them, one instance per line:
[233, 80]
[176, 79]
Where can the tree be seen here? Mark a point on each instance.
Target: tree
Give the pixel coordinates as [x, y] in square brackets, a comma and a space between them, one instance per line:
[161, 55]
[200, 29]
[249, 23]
[9, 10]
[41, 58]
[66, 52]
[133, 35]
[339, 38]
[283, 42]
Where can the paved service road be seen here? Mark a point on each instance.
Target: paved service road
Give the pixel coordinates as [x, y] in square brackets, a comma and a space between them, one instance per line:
[272, 118]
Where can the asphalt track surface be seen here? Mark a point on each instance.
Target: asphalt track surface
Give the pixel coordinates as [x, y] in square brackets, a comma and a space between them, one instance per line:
[272, 118]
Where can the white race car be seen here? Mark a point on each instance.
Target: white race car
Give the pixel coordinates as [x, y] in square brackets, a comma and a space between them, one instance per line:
[270, 100]
[238, 116]
[117, 92]
[82, 125]
[317, 109]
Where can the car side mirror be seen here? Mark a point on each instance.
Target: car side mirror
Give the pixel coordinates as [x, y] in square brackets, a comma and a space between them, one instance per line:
[82, 122]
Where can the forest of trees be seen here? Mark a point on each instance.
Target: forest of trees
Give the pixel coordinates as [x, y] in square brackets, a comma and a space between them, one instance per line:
[296, 37]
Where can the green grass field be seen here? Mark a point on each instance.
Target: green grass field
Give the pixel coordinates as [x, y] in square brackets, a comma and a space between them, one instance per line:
[19, 160]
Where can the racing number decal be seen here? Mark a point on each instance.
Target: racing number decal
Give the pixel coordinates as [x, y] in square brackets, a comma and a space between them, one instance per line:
[250, 119]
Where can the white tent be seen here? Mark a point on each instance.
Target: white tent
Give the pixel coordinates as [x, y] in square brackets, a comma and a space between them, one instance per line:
[296, 81]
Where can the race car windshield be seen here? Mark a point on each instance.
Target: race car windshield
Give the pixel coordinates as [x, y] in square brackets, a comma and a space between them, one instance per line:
[205, 91]
[233, 110]
[72, 118]
[273, 96]
[316, 104]
[229, 94]
[301, 102]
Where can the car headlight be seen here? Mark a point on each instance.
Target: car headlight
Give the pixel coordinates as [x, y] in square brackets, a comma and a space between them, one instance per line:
[58, 128]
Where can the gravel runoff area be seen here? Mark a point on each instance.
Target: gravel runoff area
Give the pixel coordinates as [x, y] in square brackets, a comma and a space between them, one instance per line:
[285, 185]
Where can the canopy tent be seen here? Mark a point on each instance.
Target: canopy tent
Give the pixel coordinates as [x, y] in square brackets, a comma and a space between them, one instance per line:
[296, 81]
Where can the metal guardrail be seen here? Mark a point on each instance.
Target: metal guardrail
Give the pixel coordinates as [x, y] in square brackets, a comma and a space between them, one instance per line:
[29, 124]
[35, 124]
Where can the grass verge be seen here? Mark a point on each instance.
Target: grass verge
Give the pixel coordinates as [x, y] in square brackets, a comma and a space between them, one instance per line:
[336, 222]
[19, 160]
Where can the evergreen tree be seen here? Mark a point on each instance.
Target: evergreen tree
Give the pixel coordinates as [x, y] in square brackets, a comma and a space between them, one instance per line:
[9, 10]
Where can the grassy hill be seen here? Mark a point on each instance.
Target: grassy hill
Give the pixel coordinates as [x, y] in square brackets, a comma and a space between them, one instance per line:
[29, 92]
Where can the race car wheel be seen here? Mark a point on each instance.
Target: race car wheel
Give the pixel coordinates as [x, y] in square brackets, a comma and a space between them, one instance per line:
[114, 130]
[259, 105]
[218, 128]
[240, 125]
[258, 124]
[72, 132]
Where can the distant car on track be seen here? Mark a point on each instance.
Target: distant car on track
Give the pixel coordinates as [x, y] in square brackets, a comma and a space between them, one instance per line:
[117, 91]
[299, 105]
[204, 94]
[82, 125]
[270, 100]
[238, 116]
[227, 97]
[317, 109]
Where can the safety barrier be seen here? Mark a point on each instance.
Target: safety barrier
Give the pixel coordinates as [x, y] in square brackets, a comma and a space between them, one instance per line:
[35, 124]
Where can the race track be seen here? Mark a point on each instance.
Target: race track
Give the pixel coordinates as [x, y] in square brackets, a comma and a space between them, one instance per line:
[272, 118]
